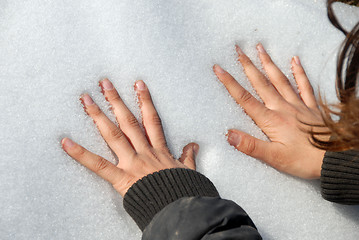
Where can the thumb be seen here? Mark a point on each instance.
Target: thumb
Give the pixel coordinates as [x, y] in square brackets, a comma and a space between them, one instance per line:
[188, 155]
[249, 145]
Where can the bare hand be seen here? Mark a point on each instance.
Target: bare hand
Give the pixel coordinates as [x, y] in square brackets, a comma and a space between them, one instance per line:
[139, 153]
[279, 116]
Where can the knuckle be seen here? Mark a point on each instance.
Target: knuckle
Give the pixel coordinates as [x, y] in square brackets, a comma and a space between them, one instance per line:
[79, 152]
[245, 61]
[266, 83]
[95, 112]
[155, 120]
[244, 97]
[114, 97]
[145, 96]
[250, 146]
[227, 80]
[116, 133]
[130, 120]
[101, 164]
[266, 60]
[284, 82]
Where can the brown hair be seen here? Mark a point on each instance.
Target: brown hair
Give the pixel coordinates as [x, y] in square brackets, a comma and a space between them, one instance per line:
[344, 132]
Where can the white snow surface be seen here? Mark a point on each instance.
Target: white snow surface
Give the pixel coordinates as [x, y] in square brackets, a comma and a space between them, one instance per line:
[53, 51]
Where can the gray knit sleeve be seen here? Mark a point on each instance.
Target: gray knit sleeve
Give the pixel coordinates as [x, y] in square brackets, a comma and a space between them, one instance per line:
[155, 191]
[340, 177]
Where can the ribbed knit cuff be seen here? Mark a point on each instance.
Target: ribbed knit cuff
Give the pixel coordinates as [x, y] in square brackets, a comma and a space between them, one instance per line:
[340, 177]
[152, 193]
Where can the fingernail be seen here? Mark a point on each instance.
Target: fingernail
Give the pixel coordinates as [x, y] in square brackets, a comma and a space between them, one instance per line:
[233, 138]
[106, 84]
[87, 99]
[297, 61]
[195, 148]
[218, 69]
[260, 48]
[67, 143]
[140, 85]
[239, 50]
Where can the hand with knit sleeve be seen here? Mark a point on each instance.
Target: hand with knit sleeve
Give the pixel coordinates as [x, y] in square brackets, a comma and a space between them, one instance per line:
[280, 115]
[340, 177]
[166, 197]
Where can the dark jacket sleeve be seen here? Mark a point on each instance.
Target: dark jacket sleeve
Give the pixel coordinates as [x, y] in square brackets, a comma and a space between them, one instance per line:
[184, 204]
[340, 177]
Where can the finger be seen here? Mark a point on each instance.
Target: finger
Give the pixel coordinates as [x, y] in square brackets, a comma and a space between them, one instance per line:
[254, 108]
[189, 154]
[113, 135]
[95, 163]
[305, 88]
[277, 78]
[259, 82]
[251, 146]
[151, 120]
[127, 121]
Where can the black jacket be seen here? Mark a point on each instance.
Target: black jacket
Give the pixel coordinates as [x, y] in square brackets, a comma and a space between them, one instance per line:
[184, 204]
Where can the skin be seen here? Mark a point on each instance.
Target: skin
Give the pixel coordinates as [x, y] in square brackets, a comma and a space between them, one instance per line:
[144, 152]
[279, 116]
[139, 152]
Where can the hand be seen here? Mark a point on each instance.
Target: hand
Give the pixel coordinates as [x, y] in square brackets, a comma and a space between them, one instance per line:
[139, 153]
[280, 116]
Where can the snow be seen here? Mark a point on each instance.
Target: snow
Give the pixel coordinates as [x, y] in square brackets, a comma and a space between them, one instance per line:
[53, 51]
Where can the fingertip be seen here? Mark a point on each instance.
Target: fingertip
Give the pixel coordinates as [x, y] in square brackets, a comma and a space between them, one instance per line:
[239, 50]
[232, 130]
[86, 99]
[105, 85]
[189, 154]
[296, 61]
[142, 94]
[190, 148]
[67, 143]
[261, 49]
[140, 85]
[217, 69]
[233, 138]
